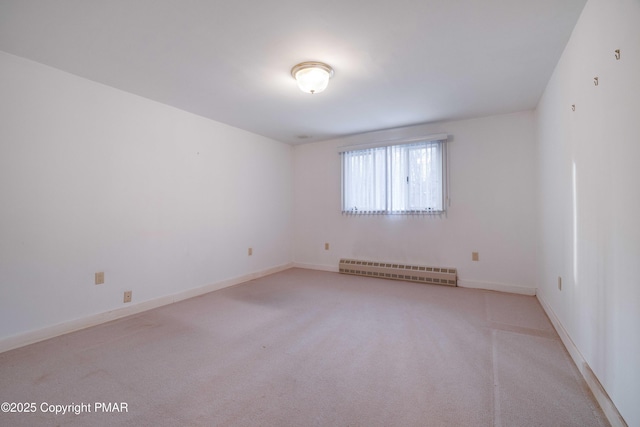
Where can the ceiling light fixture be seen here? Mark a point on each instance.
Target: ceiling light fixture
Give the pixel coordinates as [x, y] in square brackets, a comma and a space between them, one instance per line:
[312, 77]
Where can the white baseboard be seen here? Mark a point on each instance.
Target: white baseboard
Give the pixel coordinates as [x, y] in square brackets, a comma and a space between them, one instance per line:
[501, 287]
[31, 337]
[600, 394]
[331, 268]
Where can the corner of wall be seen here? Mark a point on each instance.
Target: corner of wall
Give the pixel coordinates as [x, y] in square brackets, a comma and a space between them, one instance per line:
[602, 397]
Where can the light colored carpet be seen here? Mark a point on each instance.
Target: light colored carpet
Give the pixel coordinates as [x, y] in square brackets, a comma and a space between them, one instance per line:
[309, 348]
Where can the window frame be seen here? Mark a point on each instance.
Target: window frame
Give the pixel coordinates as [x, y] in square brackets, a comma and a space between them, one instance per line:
[405, 146]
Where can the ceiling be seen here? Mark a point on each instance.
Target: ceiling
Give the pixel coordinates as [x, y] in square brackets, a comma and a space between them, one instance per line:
[396, 63]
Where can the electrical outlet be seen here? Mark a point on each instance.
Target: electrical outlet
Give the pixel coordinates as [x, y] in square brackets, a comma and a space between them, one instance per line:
[326, 246]
[99, 278]
[127, 296]
[559, 283]
[475, 256]
[250, 252]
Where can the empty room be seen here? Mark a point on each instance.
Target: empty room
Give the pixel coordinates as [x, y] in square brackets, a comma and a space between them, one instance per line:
[297, 213]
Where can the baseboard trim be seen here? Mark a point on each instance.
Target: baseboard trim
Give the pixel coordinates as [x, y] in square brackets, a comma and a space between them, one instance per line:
[600, 394]
[31, 337]
[333, 269]
[500, 287]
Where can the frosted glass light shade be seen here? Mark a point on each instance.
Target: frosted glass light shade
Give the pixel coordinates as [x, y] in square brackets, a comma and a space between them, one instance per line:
[312, 77]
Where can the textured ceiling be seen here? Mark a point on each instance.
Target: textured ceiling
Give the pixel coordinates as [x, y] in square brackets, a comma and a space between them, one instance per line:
[396, 63]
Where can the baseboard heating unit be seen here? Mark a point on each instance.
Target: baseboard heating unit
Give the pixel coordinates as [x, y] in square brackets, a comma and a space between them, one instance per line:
[412, 273]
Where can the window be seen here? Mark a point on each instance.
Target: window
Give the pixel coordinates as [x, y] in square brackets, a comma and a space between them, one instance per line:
[404, 178]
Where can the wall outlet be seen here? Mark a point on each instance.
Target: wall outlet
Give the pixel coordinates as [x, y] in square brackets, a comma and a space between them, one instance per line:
[127, 296]
[475, 256]
[99, 278]
[559, 283]
[326, 246]
[250, 251]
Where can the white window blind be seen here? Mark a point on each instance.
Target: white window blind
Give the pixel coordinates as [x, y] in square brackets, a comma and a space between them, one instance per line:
[395, 179]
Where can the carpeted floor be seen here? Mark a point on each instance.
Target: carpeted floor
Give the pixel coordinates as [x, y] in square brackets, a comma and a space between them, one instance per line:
[309, 348]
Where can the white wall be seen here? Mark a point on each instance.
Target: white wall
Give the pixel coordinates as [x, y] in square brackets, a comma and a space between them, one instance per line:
[95, 179]
[599, 305]
[492, 211]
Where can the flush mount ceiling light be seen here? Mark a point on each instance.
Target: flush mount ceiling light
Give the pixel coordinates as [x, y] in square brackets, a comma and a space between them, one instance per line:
[312, 77]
